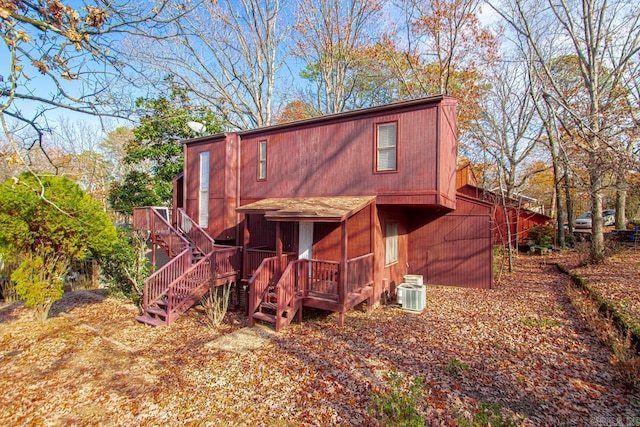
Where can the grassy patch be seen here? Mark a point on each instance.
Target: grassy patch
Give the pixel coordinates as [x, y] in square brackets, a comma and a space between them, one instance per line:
[539, 323]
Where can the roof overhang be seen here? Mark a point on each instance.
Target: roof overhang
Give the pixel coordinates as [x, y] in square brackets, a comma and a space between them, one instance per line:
[309, 209]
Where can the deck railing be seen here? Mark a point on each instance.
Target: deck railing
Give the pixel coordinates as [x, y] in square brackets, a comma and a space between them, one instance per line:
[226, 260]
[196, 234]
[255, 256]
[319, 276]
[149, 218]
[181, 290]
[359, 273]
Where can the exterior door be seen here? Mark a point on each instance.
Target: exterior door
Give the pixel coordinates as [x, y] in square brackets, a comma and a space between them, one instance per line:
[305, 240]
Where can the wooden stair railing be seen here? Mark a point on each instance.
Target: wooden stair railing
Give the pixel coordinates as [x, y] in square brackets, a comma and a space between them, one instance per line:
[288, 302]
[259, 289]
[199, 238]
[175, 287]
[274, 299]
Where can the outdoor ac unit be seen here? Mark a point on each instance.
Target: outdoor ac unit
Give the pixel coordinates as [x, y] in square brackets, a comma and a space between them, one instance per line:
[416, 279]
[412, 296]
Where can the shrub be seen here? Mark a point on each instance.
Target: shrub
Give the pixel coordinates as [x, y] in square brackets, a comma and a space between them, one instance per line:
[126, 267]
[39, 281]
[541, 235]
[488, 414]
[456, 367]
[398, 404]
[46, 223]
[215, 303]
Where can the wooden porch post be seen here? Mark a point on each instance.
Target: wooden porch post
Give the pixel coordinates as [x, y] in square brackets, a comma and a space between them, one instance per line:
[342, 278]
[372, 248]
[153, 255]
[279, 246]
[246, 238]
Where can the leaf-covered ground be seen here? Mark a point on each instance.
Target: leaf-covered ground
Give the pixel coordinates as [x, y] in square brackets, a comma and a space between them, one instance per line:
[616, 280]
[521, 346]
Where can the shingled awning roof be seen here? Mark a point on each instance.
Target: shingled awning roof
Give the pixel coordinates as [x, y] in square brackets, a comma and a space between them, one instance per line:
[321, 209]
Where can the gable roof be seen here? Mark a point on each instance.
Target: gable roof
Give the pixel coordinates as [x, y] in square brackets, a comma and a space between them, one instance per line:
[321, 209]
[386, 108]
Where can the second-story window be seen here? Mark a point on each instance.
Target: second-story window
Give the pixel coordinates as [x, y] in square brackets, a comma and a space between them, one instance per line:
[262, 160]
[386, 147]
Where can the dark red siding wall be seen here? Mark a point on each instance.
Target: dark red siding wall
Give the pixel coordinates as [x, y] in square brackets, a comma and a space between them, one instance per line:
[448, 152]
[359, 229]
[326, 237]
[454, 249]
[392, 275]
[263, 234]
[338, 158]
[222, 185]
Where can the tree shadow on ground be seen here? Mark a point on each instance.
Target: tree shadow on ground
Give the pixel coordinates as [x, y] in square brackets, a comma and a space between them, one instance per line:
[7, 313]
[75, 299]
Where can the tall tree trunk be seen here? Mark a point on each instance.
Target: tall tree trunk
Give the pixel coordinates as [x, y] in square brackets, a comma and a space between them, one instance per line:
[557, 178]
[595, 193]
[568, 197]
[621, 203]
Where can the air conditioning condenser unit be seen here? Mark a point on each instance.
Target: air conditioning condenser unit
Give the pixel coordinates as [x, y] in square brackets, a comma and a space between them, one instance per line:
[412, 296]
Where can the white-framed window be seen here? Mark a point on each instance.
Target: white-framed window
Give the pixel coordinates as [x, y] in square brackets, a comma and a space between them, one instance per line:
[203, 197]
[386, 145]
[391, 239]
[262, 160]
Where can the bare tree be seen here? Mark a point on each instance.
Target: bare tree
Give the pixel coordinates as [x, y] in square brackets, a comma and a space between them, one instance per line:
[448, 49]
[507, 130]
[330, 37]
[604, 38]
[229, 55]
[65, 57]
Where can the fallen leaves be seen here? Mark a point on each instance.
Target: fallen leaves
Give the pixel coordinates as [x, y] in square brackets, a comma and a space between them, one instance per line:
[519, 349]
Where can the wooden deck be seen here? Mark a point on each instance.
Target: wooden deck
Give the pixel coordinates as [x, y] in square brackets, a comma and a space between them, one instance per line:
[277, 298]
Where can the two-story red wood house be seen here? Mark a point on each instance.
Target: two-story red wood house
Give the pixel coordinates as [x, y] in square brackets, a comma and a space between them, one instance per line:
[331, 211]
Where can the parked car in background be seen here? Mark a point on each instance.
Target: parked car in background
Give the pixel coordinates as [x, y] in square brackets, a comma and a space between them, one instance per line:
[584, 220]
[609, 217]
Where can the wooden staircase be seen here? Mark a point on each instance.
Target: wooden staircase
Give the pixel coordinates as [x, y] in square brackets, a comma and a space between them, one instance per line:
[196, 264]
[274, 298]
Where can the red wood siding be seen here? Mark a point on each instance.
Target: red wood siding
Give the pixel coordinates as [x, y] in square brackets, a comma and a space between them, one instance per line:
[222, 184]
[454, 249]
[299, 159]
[447, 154]
[392, 275]
[326, 237]
[263, 234]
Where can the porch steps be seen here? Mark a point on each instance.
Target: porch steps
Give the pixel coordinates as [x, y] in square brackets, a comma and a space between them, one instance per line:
[156, 315]
[266, 317]
[151, 321]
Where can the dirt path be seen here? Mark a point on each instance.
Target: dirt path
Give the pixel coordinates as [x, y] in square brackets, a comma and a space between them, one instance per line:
[520, 347]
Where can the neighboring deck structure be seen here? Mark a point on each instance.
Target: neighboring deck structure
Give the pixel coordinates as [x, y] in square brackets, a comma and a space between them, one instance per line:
[333, 211]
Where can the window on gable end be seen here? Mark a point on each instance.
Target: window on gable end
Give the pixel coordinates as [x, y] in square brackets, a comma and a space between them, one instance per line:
[262, 160]
[386, 145]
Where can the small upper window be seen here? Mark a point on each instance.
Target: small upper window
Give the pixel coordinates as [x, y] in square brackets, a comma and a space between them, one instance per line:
[262, 160]
[386, 147]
